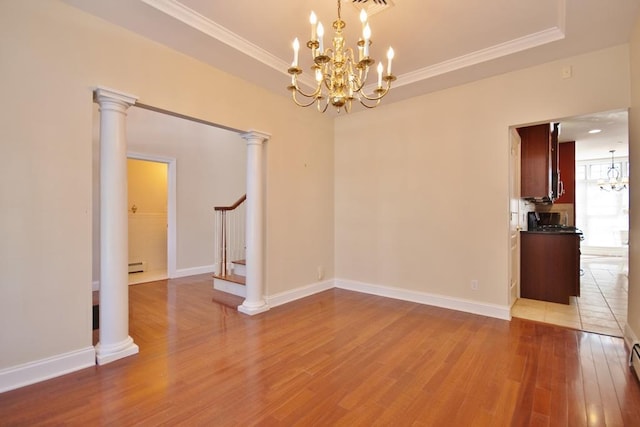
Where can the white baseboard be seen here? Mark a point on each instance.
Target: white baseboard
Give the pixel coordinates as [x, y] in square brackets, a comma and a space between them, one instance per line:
[192, 271]
[297, 293]
[468, 306]
[630, 337]
[44, 369]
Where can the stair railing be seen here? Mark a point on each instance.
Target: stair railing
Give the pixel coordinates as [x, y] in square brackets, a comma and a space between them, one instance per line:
[229, 235]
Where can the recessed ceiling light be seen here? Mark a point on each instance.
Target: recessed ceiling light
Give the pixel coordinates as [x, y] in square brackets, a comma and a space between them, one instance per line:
[595, 131]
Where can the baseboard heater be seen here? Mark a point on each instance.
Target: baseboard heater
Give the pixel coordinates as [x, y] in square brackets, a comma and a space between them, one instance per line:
[137, 267]
[634, 359]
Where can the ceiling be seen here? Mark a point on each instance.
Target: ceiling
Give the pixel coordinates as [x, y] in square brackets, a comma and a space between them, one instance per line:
[437, 43]
[613, 135]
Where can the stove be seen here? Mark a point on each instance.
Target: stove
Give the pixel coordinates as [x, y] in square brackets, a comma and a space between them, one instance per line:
[559, 228]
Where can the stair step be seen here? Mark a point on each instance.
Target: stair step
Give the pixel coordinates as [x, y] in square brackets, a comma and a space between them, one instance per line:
[231, 283]
[235, 278]
[240, 267]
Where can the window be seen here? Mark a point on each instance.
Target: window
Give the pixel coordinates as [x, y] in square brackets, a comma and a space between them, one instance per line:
[603, 216]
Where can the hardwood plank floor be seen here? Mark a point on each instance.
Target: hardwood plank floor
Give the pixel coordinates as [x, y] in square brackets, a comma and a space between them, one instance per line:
[335, 358]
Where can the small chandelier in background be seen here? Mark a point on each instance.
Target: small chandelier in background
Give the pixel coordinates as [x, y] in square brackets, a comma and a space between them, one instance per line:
[340, 78]
[614, 180]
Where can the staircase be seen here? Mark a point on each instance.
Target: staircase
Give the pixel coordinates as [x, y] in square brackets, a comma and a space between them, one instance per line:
[230, 221]
[234, 281]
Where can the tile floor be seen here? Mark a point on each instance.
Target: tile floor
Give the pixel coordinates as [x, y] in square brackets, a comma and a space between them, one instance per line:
[601, 307]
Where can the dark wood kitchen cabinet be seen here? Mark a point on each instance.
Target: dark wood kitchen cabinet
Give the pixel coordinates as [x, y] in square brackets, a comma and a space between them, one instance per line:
[549, 266]
[539, 162]
[567, 162]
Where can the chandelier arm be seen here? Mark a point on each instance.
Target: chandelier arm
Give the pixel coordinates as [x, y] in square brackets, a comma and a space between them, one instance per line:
[299, 104]
[326, 105]
[326, 79]
[296, 88]
[370, 106]
[360, 79]
[382, 93]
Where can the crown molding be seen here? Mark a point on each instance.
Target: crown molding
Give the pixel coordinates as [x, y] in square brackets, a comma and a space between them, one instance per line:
[199, 22]
[503, 49]
[205, 25]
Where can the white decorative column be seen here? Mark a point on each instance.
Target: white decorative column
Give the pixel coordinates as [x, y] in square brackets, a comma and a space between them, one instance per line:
[115, 342]
[254, 302]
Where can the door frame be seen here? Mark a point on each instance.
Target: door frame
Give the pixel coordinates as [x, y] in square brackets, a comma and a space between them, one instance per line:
[515, 220]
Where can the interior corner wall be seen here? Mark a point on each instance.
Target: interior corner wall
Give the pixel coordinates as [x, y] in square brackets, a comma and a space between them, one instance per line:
[422, 186]
[53, 57]
[633, 317]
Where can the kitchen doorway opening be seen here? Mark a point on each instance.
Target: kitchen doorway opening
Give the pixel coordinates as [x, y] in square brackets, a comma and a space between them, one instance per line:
[603, 218]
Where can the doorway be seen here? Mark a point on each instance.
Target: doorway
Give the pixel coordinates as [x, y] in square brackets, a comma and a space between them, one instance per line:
[603, 218]
[147, 208]
[111, 179]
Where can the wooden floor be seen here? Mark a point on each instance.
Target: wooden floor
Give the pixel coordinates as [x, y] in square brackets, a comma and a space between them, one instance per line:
[336, 358]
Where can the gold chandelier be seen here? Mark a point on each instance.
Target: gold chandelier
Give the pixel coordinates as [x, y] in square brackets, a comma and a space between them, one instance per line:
[339, 77]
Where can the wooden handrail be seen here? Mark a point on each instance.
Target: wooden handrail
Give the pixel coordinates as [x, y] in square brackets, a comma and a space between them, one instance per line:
[221, 212]
[233, 206]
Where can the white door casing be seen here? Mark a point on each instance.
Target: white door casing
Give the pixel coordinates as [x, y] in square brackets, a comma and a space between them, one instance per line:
[514, 216]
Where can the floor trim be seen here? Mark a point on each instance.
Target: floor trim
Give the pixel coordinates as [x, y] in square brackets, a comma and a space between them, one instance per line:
[630, 337]
[184, 272]
[298, 293]
[44, 369]
[467, 306]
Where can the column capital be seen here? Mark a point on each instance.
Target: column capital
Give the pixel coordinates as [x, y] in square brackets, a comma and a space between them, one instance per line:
[103, 94]
[255, 137]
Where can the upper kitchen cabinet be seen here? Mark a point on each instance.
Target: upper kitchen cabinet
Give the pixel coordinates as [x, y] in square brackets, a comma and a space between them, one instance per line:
[567, 151]
[539, 162]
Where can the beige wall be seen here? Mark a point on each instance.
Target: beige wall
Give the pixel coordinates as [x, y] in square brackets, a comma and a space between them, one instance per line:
[633, 317]
[147, 186]
[422, 186]
[52, 56]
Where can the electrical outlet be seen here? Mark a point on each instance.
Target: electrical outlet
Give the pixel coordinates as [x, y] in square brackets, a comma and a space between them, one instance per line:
[474, 285]
[320, 272]
[567, 72]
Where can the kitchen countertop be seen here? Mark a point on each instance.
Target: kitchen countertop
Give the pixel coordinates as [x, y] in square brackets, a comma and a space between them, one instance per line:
[558, 231]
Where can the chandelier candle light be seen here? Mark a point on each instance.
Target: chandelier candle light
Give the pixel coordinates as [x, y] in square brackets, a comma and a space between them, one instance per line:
[339, 77]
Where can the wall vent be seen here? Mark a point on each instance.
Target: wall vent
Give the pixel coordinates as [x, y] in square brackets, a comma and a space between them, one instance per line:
[372, 7]
[137, 267]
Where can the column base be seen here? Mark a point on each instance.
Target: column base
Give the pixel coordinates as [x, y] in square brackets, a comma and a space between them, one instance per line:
[252, 310]
[110, 353]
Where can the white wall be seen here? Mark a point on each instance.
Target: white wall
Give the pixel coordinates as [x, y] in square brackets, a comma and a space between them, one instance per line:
[422, 186]
[53, 56]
